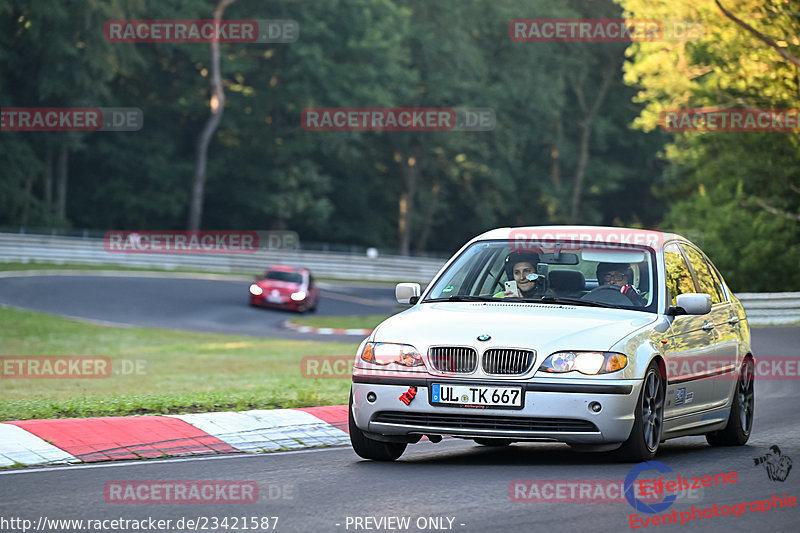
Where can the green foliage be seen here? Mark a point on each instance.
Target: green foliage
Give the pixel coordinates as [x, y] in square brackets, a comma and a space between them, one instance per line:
[739, 191]
[266, 172]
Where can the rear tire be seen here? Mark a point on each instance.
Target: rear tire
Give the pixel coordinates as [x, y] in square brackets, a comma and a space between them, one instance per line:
[369, 448]
[642, 444]
[740, 421]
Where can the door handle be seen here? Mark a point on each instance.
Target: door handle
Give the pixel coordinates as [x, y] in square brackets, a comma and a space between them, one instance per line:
[733, 320]
[708, 326]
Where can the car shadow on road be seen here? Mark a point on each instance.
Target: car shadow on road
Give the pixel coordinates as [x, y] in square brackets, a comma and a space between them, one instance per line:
[551, 454]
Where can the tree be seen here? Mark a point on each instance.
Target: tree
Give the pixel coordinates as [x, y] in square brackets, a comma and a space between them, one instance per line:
[740, 190]
[217, 107]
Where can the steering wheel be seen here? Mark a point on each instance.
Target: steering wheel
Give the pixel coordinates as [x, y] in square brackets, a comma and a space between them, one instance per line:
[606, 294]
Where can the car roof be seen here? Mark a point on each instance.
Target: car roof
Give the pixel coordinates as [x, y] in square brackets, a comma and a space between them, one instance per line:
[610, 234]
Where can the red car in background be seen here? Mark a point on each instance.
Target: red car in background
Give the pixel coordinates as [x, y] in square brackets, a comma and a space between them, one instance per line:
[285, 287]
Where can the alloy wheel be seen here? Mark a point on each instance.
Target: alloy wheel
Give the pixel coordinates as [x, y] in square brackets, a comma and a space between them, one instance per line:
[652, 410]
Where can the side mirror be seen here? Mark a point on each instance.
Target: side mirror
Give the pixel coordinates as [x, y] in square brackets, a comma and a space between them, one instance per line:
[693, 303]
[404, 292]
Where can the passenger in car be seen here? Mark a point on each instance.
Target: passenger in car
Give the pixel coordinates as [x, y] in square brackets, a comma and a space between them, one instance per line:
[520, 266]
[620, 275]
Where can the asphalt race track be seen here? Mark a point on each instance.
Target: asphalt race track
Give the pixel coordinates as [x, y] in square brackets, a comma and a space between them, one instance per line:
[317, 490]
[454, 485]
[211, 306]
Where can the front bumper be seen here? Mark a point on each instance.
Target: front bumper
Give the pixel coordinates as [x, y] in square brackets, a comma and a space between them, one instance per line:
[553, 410]
[290, 305]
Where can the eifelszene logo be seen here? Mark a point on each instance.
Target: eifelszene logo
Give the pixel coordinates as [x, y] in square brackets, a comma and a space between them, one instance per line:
[777, 465]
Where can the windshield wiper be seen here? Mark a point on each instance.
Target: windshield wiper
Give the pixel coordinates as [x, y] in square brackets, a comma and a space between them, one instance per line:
[463, 299]
[555, 300]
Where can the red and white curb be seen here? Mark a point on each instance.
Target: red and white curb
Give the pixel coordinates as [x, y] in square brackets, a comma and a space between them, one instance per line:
[76, 440]
[326, 331]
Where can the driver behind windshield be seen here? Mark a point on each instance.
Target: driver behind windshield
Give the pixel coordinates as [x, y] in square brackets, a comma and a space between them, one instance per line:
[521, 267]
[620, 275]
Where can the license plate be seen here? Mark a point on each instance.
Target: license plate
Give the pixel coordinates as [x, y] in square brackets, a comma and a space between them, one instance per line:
[275, 299]
[477, 396]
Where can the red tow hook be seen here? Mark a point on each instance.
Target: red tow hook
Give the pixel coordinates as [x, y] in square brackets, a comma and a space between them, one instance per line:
[408, 395]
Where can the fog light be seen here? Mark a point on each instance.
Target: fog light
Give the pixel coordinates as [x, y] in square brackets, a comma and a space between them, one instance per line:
[371, 397]
[595, 407]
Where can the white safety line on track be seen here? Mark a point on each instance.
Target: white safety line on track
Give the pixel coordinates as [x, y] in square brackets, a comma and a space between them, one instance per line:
[141, 462]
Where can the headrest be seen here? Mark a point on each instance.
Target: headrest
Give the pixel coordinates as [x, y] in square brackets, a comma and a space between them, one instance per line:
[567, 280]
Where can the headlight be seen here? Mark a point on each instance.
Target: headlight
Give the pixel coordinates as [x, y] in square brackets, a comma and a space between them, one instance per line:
[382, 354]
[255, 290]
[298, 296]
[590, 363]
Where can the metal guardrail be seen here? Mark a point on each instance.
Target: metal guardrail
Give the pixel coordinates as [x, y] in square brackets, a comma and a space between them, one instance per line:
[305, 245]
[771, 307]
[761, 308]
[22, 248]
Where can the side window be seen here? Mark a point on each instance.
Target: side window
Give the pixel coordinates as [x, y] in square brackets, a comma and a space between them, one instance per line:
[679, 280]
[489, 283]
[717, 278]
[702, 274]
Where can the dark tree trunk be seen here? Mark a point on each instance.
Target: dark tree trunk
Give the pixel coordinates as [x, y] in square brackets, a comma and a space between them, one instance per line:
[429, 213]
[589, 114]
[410, 169]
[61, 183]
[48, 181]
[217, 105]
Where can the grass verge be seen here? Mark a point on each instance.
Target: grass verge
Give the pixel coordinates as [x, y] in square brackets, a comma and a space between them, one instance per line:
[159, 371]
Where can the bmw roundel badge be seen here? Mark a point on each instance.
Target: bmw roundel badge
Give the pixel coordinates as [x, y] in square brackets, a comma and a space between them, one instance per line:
[484, 337]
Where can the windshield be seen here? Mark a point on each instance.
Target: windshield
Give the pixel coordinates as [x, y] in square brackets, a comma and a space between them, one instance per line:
[291, 277]
[596, 274]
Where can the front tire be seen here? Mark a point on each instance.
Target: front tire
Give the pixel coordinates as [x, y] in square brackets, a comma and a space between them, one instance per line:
[740, 421]
[642, 444]
[369, 448]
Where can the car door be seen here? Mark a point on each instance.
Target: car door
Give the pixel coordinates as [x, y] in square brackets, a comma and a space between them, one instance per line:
[693, 343]
[726, 348]
[729, 338]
